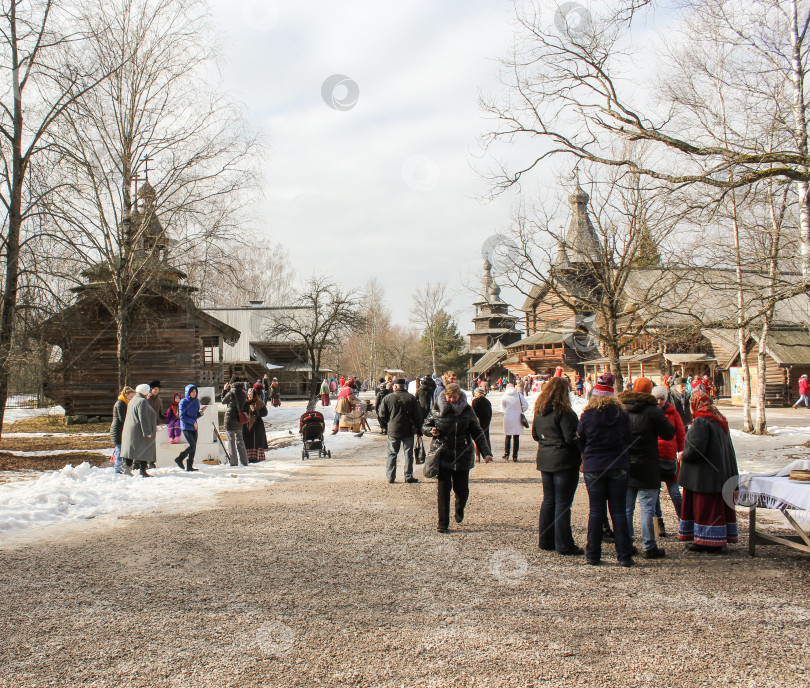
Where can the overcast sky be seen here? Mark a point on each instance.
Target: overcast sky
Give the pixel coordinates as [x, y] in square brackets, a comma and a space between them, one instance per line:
[383, 186]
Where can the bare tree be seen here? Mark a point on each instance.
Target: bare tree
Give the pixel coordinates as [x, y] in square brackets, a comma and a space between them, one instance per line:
[41, 48]
[606, 270]
[429, 303]
[567, 95]
[322, 313]
[365, 349]
[158, 126]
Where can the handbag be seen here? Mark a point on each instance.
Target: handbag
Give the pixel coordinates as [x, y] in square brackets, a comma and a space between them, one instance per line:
[243, 418]
[523, 421]
[420, 450]
[433, 461]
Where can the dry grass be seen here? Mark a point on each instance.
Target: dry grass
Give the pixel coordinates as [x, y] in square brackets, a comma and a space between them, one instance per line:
[53, 424]
[54, 462]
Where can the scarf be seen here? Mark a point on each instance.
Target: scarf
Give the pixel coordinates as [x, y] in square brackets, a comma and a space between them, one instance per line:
[446, 408]
[121, 397]
[702, 407]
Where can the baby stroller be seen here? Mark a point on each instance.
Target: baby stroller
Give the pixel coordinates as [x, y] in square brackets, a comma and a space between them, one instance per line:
[311, 427]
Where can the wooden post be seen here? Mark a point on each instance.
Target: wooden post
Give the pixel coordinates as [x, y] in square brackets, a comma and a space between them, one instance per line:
[752, 531]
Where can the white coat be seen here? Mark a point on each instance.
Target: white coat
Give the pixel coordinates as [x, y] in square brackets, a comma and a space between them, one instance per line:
[513, 405]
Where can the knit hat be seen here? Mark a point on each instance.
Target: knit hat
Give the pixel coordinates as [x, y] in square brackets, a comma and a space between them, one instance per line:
[660, 392]
[604, 385]
[143, 389]
[643, 385]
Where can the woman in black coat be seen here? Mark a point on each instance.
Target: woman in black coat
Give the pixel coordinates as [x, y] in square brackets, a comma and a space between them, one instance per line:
[454, 428]
[482, 409]
[558, 459]
[253, 431]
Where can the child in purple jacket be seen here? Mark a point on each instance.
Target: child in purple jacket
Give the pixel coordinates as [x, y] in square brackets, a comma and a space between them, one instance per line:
[173, 420]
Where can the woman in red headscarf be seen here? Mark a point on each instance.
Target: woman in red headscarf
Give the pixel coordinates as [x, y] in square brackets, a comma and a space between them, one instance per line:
[708, 476]
[173, 420]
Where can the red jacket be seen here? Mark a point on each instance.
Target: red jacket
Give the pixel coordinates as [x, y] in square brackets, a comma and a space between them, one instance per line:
[802, 385]
[667, 449]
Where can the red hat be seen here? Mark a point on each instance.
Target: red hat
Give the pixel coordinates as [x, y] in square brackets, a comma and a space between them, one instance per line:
[604, 385]
[643, 385]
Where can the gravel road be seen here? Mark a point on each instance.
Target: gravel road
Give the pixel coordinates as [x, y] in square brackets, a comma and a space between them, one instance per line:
[336, 578]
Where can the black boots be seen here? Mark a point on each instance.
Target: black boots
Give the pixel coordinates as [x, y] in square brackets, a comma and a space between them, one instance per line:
[190, 465]
[141, 467]
[179, 462]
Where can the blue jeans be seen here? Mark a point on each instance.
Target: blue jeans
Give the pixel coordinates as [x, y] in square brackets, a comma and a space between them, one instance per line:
[191, 450]
[119, 462]
[674, 495]
[559, 488]
[608, 489]
[393, 450]
[647, 499]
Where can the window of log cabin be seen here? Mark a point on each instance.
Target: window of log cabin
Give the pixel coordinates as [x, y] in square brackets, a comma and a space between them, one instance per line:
[210, 351]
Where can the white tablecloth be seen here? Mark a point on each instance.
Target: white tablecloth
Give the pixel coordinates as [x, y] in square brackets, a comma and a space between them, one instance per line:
[777, 491]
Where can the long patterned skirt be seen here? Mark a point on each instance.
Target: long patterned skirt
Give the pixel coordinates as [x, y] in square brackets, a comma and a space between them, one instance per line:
[707, 520]
[255, 455]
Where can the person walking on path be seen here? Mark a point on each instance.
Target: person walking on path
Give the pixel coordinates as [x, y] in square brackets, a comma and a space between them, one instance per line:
[173, 420]
[803, 398]
[454, 428]
[513, 405]
[668, 451]
[382, 391]
[119, 415]
[402, 416]
[449, 378]
[558, 460]
[325, 396]
[253, 432]
[275, 393]
[482, 408]
[234, 397]
[708, 470]
[604, 434]
[190, 413]
[424, 394]
[138, 435]
[649, 424]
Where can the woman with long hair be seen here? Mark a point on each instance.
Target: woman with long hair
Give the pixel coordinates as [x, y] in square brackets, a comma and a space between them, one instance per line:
[253, 431]
[558, 459]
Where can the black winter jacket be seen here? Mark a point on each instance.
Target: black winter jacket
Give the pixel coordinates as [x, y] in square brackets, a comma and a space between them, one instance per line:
[424, 396]
[681, 404]
[234, 399]
[708, 460]
[458, 429]
[649, 423]
[402, 414]
[119, 415]
[555, 434]
[382, 392]
[603, 434]
[482, 408]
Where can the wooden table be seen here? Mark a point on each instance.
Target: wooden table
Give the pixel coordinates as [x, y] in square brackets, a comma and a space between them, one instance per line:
[783, 495]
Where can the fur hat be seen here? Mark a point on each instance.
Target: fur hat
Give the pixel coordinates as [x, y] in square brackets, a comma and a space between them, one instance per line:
[604, 385]
[643, 385]
[143, 389]
[154, 383]
[660, 392]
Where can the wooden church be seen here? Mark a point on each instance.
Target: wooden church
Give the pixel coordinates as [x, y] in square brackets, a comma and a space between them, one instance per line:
[170, 339]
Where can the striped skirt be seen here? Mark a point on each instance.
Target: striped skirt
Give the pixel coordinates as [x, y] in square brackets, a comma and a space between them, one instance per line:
[707, 520]
[255, 455]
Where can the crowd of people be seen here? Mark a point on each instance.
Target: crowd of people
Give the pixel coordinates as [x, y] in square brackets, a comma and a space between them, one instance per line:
[138, 412]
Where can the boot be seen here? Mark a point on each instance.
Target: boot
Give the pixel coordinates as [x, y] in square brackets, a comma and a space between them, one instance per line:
[141, 466]
[190, 465]
[179, 462]
[662, 531]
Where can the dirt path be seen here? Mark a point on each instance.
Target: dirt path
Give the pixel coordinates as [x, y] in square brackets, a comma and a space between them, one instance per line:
[337, 578]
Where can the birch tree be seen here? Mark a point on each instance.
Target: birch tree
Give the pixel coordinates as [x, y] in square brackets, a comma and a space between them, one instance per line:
[430, 303]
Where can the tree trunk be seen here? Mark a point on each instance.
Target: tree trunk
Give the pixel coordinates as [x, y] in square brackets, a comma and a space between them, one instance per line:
[741, 333]
[799, 108]
[746, 380]
[122, 340]
[8, 306]
[315, 364]
[761, 424]
[614, 353]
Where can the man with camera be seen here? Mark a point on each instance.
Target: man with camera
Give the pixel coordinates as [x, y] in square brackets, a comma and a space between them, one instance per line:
[234, 398]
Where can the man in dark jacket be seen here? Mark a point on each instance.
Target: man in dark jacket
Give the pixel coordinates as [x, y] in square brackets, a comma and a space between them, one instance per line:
[233, 398]
[678, 398]
[424, 394]
[649, 423]
[382, 391]
[402, 417]
[482, 408]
